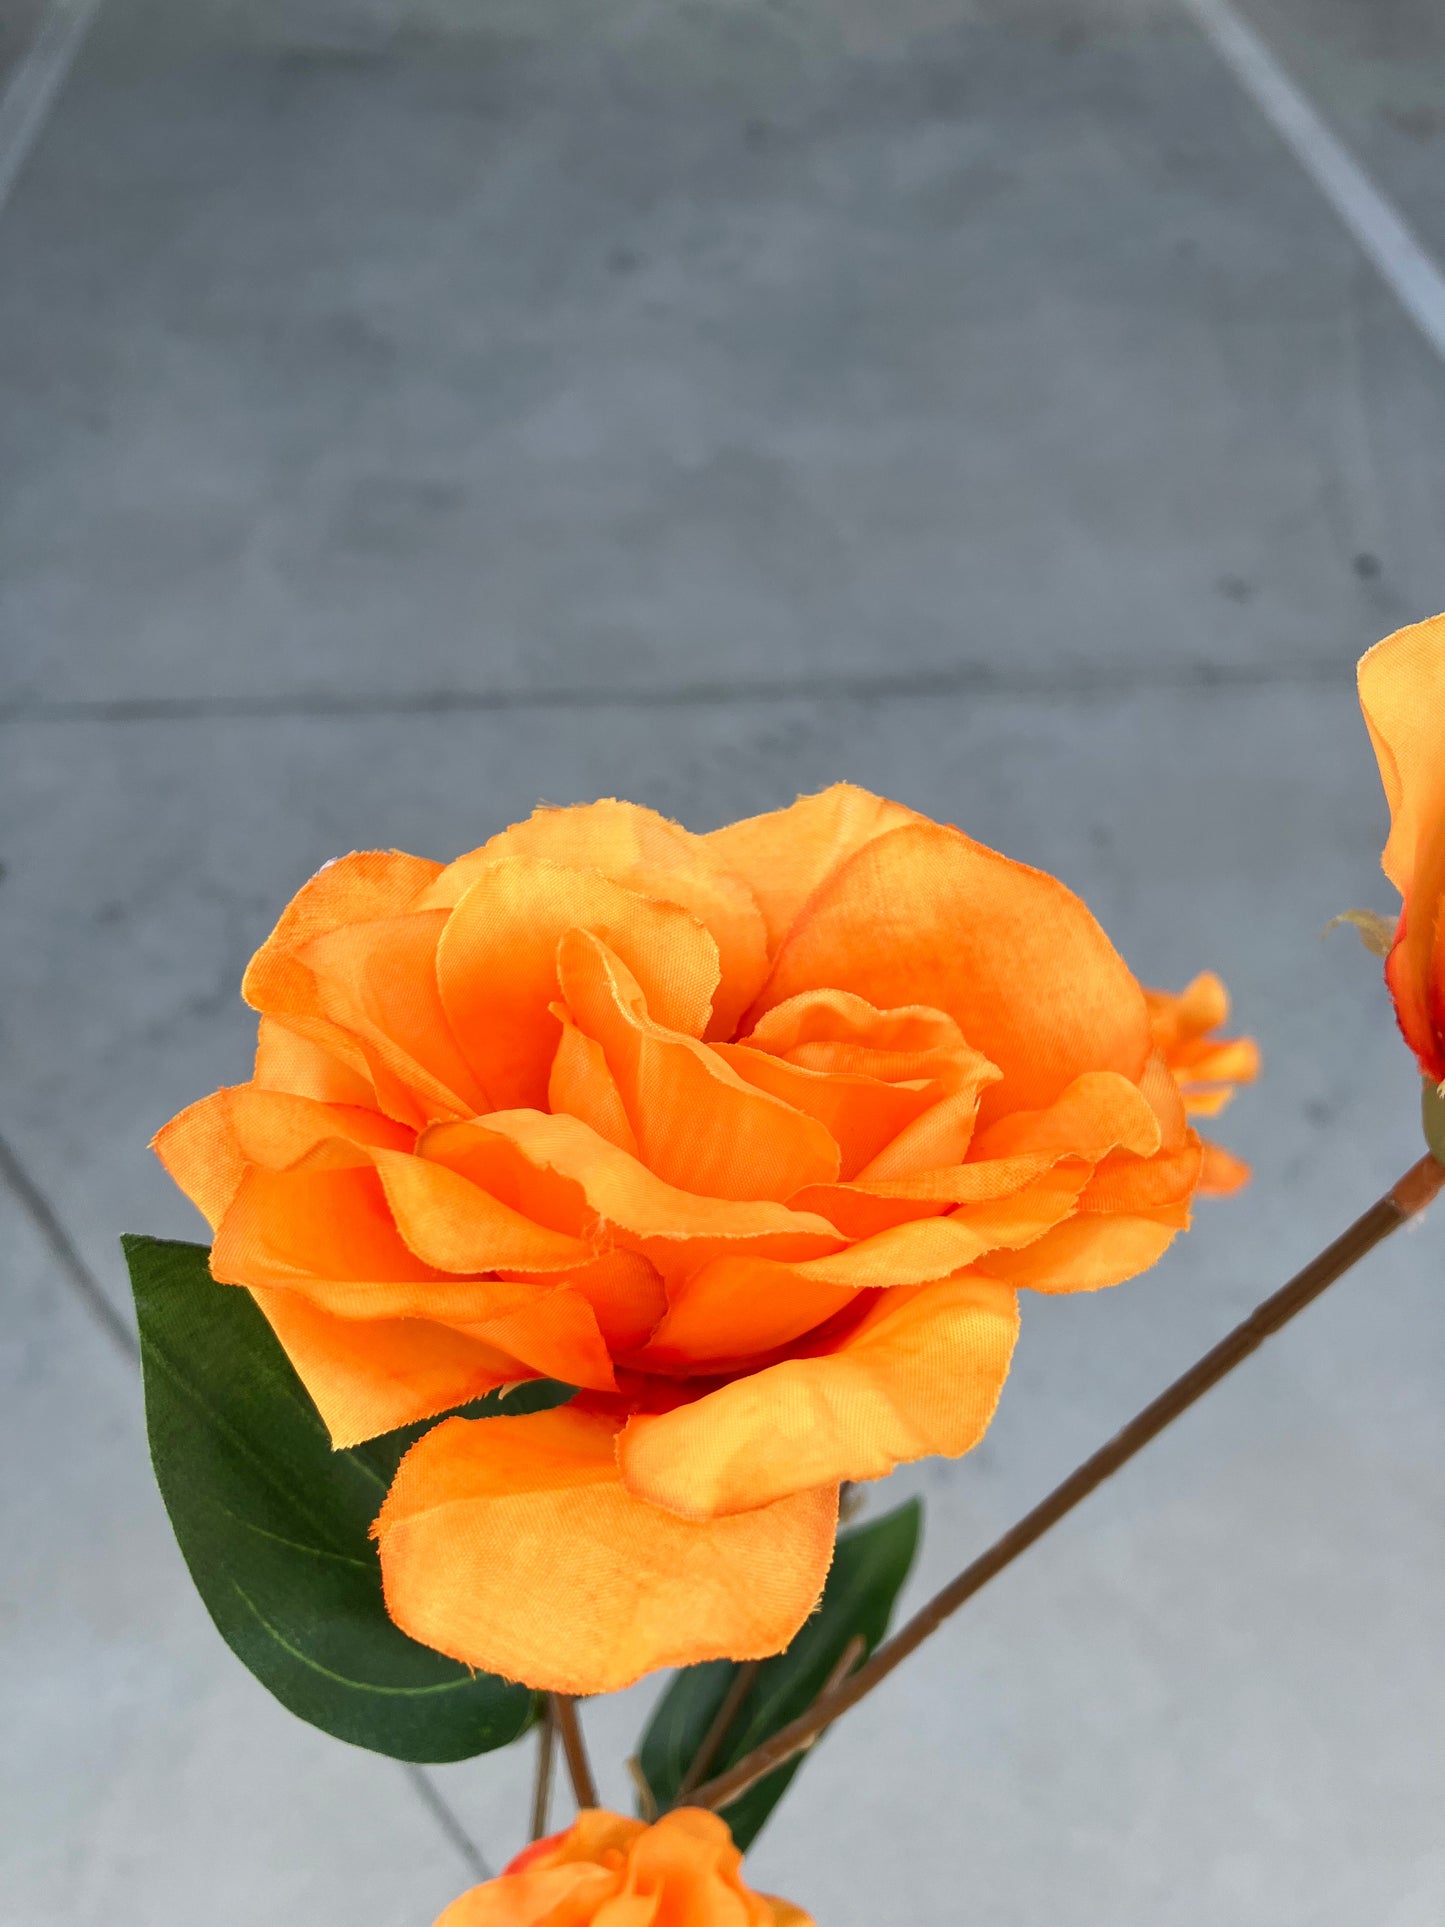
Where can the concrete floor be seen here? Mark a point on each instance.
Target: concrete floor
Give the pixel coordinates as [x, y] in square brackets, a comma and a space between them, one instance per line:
[408, 412]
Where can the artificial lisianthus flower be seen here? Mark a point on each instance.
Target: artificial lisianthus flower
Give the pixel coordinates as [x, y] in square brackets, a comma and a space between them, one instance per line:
[749, 1137]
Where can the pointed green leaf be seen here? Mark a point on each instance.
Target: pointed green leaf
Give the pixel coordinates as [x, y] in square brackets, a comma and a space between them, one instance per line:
[869, 1568]
[274, 1524]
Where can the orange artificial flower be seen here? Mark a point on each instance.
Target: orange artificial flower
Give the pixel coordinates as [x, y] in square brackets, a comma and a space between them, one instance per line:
[1206, 1068]
[1402, 693]
[607, 1871]
[750, 1137]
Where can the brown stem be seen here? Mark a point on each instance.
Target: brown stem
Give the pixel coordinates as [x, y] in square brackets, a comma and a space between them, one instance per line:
[564, 1717]
[1409, 1196]
[542, 1786]
[742, 1685]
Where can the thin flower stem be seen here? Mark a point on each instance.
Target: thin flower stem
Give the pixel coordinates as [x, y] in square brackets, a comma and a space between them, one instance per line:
[742, 1685]
[1408, 1197]
[564, 1717]
[542, 1786]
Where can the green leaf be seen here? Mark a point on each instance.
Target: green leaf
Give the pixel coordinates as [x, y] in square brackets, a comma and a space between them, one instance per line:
[274, 1524]
[869, 1568]
[1432, 1116]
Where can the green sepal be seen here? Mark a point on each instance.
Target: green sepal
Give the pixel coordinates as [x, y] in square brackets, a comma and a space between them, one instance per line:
[1375, 932]
[275, 1526]
[1432, 1116]
[869, 1568]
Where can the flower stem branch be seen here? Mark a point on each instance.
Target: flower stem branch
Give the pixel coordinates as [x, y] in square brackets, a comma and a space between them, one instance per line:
[741, 1686]
[546, 1752]
[1407, 1197]
[564, 1718]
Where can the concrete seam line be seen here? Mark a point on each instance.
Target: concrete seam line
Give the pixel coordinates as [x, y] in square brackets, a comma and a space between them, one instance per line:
[975, 681]
[47, 1222]
[441, 1811]
[36, 83]
[1386, 239]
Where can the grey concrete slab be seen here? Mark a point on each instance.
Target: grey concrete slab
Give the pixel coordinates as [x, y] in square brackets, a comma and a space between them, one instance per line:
[1376, 70]
[18, 22]
[1214, 1699]
[144, 1777]
[559, 348]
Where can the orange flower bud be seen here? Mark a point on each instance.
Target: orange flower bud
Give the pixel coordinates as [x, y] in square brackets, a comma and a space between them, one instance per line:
[750, 1137]
[1402, 694]
[1207, 1069]
[607, 1871]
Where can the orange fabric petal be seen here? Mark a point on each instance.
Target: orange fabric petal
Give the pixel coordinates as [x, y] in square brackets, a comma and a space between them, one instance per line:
[354, 889]
[733, 1310]
[278, 1128]
[738, 1308]
[950, 1184]
[922, 1374]
[859, 1114]
[327, 1234]
[1097, 1113]
[1402, 694]
[786, 854]
[554, 1333]
[455, 1226]
[626, 1295]
[559, 1172]
[1005, 1200]
[497, 965]
[860, 1211]
[568, 1896]
[313, 1222]
[1233, 1060]
[378, 981]
[512, 1545]
[1221, 1174]
[941, 1136]
[582, 1085]
[1123, 1183]
[925, 915]
[833, 1030]
[907, 1254]
[897, 1089]
[697, 1124]
[607, 1871]
[592, 1836]
[199, 1149]
[317, 1064]
[325, 1231]
[1182, 1024]
[279, 983]
[1177, 1018]
[1021, 1216]
[653, 857]
[369, 1376]
[1089, 1253]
